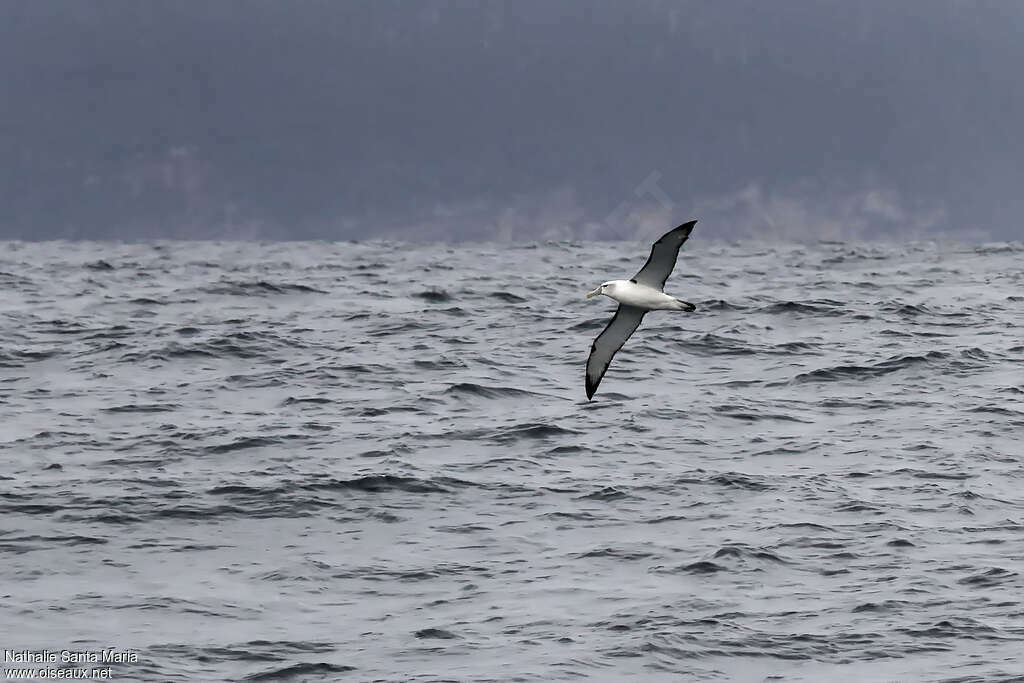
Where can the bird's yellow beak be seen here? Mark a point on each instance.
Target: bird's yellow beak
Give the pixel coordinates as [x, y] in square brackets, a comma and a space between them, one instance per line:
[594, 293]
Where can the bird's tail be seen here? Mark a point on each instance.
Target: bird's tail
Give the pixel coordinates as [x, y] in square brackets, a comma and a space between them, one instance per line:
[685, 305]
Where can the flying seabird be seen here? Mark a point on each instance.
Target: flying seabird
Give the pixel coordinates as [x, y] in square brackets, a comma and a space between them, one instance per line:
[645, 292]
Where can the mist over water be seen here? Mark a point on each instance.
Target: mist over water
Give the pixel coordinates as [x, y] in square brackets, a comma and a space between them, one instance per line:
[308, 119]
[375, 461]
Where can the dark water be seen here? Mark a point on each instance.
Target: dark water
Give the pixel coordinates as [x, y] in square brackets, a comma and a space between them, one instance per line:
[373, 462]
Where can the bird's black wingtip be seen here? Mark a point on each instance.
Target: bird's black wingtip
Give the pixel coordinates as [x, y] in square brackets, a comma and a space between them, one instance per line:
[683, 230]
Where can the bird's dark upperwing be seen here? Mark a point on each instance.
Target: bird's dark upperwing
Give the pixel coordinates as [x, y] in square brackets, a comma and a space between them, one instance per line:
[663, 257]
[623, 324]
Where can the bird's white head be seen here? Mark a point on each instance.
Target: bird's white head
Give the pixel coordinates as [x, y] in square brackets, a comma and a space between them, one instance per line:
[605, 288]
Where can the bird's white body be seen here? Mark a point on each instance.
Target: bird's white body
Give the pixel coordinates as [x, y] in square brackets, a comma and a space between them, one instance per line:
[641, 296]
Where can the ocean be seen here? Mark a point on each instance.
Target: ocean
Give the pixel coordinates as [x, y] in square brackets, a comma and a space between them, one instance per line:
[375, 461]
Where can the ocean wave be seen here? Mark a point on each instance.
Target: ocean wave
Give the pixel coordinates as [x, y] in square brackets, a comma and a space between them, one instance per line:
[879, 369]
[816, 469]
[258, 288]
[825, 307]
[434, 296]
[471, 389]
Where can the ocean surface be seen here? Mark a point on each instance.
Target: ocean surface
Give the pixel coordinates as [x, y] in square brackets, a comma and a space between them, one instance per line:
[376, 462]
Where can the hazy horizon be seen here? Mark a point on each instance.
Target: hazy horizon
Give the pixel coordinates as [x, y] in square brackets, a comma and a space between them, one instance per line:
[795, 121]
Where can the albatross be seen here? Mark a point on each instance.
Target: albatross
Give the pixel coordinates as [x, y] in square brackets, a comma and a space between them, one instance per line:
[643, 293]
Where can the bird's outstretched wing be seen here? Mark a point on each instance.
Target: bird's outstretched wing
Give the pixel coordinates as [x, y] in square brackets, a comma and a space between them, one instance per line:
[663, 257]
[623, 324]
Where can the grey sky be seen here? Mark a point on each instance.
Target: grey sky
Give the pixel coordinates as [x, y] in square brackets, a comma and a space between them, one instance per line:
[523, 120]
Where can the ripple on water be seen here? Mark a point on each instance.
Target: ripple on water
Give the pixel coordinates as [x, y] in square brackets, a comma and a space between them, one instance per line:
[385, 455]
